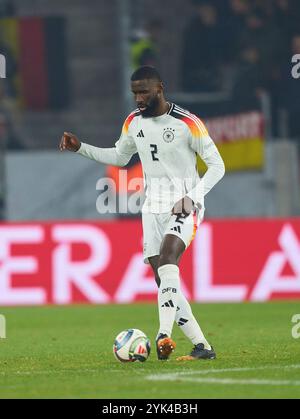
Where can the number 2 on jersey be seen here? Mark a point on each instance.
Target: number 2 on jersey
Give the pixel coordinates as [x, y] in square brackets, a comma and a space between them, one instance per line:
[154, 152]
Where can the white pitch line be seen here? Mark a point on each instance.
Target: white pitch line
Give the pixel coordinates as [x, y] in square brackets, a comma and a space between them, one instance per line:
[186, 376]
[46, 372]
[217, 371]
[257, 382]
[62, 371]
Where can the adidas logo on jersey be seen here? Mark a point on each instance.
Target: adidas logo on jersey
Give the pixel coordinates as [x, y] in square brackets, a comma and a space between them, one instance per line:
[140, 134]
[178, 229]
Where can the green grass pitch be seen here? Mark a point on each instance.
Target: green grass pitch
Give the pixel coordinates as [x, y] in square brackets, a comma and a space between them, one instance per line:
[66, 352]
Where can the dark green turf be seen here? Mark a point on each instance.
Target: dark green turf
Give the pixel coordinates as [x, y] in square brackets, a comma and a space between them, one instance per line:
[66, 352]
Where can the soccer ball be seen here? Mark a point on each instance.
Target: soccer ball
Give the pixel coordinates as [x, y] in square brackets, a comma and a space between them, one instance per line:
[131, 345]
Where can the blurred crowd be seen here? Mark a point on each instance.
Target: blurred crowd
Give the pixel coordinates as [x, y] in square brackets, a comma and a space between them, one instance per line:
[245, 47]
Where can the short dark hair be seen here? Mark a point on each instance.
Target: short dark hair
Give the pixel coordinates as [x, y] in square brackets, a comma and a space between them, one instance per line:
[146, 72]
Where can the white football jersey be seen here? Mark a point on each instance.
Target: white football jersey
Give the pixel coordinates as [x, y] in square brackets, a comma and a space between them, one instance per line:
[167, 146]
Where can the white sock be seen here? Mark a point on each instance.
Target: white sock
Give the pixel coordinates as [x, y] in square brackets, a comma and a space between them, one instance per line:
[167, 297]
[187, 322]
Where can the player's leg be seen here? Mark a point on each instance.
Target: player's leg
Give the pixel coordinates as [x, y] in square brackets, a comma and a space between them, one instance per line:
[168, 273]
[184, 316]
[153, 230]
[184, 228]
[151, 226]
[164, 345]
[152, 237]
[153, 260]
[192, 330]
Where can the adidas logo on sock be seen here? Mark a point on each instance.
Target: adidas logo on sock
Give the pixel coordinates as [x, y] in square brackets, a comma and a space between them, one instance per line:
[178, 229]
[141, 134]
[168, 304]
[182, 322]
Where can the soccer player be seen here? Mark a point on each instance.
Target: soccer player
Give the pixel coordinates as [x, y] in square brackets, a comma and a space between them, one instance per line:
[167, 138]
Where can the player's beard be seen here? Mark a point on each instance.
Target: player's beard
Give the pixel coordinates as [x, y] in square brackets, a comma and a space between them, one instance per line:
[151, 107]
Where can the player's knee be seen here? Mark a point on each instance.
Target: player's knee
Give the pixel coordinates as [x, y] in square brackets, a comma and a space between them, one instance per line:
[157, 280]
[166, 259]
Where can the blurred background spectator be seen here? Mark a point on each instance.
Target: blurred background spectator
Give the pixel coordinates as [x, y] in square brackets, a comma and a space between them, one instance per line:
[249, 79]
[203, 49]
[240, 47]
[245, 48]
[262, 32]
[145, 45]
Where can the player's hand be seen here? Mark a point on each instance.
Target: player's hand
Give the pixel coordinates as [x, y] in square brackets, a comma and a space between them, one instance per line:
[69, 142]
[184, 206]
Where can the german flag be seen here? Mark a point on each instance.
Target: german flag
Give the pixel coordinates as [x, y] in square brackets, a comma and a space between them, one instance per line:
[37, 47]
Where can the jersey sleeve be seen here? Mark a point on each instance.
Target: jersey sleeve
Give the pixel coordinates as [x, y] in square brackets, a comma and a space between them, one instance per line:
[126, 146]
[117, 156]
[201, 142]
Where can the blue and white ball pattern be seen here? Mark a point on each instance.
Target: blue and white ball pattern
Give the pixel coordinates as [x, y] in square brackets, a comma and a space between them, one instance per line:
[131, 345]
